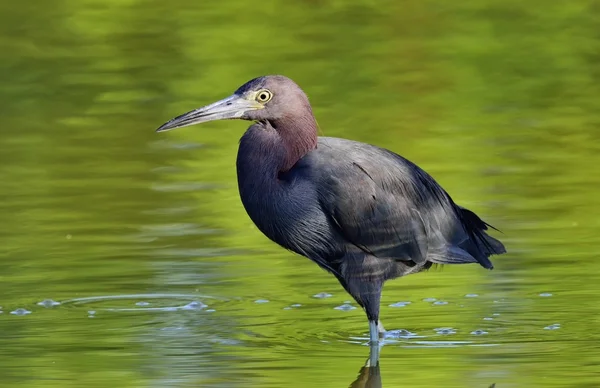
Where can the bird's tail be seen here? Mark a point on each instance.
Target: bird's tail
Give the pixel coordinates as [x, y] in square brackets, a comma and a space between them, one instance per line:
[492, 246]
[482, 245]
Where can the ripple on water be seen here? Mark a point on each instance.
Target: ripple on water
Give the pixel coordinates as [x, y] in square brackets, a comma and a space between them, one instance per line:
[194, 305]
[429, 300]
[440, 303]
[400, 304]
[261, 301]
[160, 302]
[322, 295]
[445, 330]
[20, 311]
[479, 332]
[545, 294]
[438, 344]
[400, 334]
[554, 326]
[345, 307]
[48, 303]
[471, 296]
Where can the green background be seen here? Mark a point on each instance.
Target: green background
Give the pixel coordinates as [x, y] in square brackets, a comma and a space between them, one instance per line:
[499, 100]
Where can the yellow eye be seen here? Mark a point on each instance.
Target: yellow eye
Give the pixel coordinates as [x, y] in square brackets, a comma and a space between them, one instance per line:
[264, 96]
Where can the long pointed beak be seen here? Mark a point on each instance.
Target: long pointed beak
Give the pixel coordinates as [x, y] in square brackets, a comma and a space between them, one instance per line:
[232, 107]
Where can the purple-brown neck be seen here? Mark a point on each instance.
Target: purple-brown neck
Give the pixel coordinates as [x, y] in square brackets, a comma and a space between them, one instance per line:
[298, 134]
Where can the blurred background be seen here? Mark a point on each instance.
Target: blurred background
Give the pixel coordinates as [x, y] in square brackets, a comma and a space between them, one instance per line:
[129, 261]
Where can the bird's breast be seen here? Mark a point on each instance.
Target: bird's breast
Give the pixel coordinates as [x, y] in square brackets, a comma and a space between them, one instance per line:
[284, 206]
[288, 213]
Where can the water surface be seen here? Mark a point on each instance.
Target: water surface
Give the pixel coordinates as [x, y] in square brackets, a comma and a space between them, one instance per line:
[162, 280]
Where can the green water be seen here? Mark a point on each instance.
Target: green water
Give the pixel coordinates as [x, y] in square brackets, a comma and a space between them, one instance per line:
[499, 100]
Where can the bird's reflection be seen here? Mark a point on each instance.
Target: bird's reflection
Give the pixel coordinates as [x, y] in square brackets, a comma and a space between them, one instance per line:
[369, 375]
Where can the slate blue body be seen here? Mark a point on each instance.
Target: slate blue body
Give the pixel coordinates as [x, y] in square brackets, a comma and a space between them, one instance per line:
[361, 212]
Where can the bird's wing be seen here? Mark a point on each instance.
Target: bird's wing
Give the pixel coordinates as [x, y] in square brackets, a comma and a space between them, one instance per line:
[389, 207]
[384, 205]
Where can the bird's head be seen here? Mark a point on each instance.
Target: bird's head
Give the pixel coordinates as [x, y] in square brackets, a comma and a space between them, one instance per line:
[271, 98]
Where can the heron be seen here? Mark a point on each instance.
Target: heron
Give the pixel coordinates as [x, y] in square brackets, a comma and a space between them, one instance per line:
[361, 212]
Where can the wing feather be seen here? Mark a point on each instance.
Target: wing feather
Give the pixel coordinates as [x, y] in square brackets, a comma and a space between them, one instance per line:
[388, 207]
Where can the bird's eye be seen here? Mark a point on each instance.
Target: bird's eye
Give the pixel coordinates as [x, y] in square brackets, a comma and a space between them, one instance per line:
[264, 96]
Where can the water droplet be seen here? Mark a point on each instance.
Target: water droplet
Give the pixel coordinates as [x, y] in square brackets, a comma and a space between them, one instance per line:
[142, 304]
[554, 326]
[211, 310]
[400, 333]
[195, 305]
[322, 295]
[91, 312]
[445, 330]
[20, 312]
[429, 300]
[440, 303]
[545, 294]
[479, 332]
[488, 319]
[260, 301]
[48, 303]
[471, 295]
[296, 305]
[399, 304]
[496, 314]
[345, 307]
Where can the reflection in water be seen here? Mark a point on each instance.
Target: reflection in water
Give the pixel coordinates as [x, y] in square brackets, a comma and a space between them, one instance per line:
[368, 377]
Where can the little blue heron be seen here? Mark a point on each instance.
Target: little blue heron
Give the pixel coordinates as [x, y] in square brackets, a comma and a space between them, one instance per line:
[362, 213]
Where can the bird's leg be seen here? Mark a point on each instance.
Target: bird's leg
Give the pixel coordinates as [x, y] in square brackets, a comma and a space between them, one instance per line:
[368, 297]
[373, 332]
[373, 344]
[374, 351]
[363, 277]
